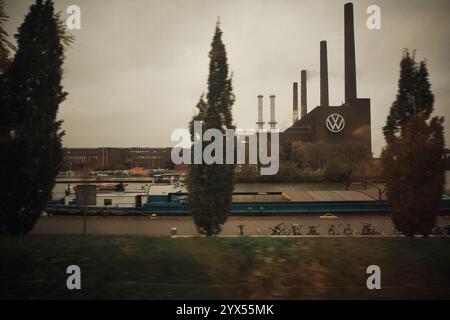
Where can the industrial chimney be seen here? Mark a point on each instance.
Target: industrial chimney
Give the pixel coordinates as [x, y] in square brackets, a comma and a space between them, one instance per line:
[323, 74]
[303, 94]
[350, 63]
[272, 122]
[260, 122]
[295, 103]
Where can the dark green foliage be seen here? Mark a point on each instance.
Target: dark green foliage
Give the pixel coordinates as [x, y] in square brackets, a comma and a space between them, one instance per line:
[336, 162]
[30, 145]
[414, 95]
[211, 186]
[4, 43]
[337, 171]
[413, 159]
[315, 162]
[414, 172]
[5, 61]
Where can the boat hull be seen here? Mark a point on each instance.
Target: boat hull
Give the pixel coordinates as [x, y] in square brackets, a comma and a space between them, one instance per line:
[241, 208]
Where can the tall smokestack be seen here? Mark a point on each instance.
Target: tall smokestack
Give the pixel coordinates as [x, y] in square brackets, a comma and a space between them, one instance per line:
[303, 94]
[260, 122]
[295, 103]
[323, 74]
[350, 62]
[272, 122]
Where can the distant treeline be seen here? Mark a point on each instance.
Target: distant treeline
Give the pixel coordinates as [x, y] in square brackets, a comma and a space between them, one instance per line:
[309, 162]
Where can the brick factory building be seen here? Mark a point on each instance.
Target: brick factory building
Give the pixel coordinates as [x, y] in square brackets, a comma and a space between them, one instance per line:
[76, 159]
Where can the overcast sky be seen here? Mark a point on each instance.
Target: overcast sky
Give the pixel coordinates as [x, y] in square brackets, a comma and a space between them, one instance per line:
[138, 67]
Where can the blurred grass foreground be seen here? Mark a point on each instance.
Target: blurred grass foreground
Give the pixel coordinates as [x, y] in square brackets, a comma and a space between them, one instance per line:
[139, 267]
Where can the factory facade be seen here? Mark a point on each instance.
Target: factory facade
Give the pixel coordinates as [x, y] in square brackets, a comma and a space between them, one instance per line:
[75, 159]
[349, 122]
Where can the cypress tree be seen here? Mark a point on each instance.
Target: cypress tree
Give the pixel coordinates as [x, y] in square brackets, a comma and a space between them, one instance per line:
[413, 158]
[211, 186]
[414, 94]
[4, 44]
[31, 152]
[5, 60]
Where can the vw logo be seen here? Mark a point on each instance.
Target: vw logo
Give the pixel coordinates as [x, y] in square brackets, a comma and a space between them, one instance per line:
[335, 123]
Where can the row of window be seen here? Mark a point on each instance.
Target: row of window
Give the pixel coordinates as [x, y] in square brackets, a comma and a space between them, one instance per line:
[80, 158]
[146, 158]
[149, 151]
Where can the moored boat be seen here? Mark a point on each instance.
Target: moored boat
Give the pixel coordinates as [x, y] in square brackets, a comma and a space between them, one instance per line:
[246, 203]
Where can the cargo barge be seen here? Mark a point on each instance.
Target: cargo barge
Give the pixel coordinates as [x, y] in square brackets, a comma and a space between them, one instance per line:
[248, 203]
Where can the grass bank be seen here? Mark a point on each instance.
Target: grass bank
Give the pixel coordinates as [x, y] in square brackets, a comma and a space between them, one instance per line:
[139, 267]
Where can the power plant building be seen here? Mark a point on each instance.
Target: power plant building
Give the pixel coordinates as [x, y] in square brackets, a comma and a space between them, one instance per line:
[349, 122]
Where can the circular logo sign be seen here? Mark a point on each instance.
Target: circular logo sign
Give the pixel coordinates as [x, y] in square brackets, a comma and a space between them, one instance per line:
[335, 123]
